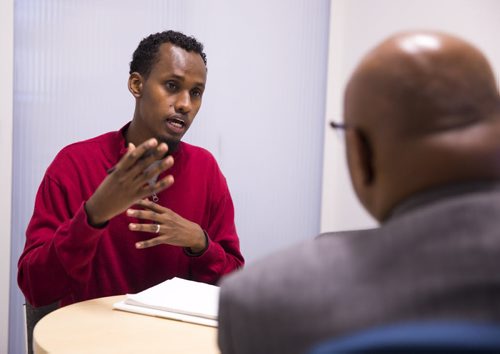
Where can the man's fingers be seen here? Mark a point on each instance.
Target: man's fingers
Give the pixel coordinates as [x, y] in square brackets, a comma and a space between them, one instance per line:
[144, 173]
[150, 164]
[135, 153]
[148, 190]
[143, 215]
[154, 212]
[164, 183]
[147, 204]
[149, 243]
[160, 240]
[153, 228]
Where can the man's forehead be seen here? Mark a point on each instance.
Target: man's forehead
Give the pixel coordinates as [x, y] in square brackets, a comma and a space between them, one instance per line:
[173, 56]
[176, 63]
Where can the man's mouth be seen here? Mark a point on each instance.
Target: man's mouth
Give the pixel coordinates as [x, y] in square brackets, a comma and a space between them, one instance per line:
[176, 125]
[176, 122]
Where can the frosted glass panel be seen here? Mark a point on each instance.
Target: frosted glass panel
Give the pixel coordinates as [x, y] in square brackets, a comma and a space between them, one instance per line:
[262, 115]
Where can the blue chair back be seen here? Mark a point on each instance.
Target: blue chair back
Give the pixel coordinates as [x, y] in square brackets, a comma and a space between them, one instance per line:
[418, 337]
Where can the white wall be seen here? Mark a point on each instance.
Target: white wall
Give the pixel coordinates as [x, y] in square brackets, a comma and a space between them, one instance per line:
[6, 73]
[358, 25]
[262, 115]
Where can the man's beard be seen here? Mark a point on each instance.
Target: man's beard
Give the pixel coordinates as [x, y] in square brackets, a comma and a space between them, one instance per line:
[172, 145]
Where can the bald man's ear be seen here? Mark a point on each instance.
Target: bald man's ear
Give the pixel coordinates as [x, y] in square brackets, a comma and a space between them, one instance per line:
[135, 82]
[360, 161]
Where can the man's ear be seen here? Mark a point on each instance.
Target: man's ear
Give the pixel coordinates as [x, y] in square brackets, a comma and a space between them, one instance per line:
[360, 161]
[135, 82]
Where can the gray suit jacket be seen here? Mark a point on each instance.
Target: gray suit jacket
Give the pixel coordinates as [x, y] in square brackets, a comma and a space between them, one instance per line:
[437, 257]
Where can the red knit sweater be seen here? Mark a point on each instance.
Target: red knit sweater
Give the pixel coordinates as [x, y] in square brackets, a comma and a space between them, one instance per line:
[67, 260]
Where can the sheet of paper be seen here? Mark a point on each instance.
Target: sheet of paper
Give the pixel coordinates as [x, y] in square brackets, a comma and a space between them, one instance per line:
[121, 305]
[176, 298]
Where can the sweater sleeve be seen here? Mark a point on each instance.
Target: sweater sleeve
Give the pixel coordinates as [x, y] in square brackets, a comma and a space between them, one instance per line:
[59, 247]
[222, 255]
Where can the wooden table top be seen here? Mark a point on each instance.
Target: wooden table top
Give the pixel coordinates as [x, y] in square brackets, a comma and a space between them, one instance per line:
[93, 326]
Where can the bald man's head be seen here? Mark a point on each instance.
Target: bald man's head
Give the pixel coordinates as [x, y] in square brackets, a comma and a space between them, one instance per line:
[426, 112]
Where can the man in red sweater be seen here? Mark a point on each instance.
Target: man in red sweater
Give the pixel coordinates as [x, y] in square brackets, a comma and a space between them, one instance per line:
[114, 214]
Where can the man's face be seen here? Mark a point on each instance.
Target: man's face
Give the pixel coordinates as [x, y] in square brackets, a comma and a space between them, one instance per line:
[171, 95]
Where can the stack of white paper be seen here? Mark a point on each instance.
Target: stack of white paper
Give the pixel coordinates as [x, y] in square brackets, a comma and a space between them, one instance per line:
[176, 298]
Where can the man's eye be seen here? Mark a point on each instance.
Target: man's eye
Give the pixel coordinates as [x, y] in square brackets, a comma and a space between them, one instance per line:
[172, 86]
[196, 93]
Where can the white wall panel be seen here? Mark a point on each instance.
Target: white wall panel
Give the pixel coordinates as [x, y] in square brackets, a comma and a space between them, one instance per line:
[357, 26]
[262, 115]
[6, 73]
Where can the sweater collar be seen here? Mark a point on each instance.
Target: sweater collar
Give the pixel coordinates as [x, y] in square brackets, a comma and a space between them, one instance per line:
[123, 144]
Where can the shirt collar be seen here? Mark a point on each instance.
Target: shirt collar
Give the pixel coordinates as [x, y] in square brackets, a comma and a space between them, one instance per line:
[424, 198]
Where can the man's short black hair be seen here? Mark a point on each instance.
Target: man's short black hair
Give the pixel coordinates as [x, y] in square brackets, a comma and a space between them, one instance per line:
[146, 53]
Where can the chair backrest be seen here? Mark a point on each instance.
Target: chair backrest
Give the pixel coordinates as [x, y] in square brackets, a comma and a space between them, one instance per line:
[33, 315]
[419, 337]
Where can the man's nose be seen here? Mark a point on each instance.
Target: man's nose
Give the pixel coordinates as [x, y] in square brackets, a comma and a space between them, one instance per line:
[183, 102]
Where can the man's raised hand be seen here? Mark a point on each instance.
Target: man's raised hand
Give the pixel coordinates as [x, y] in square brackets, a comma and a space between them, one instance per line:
[128, 181]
